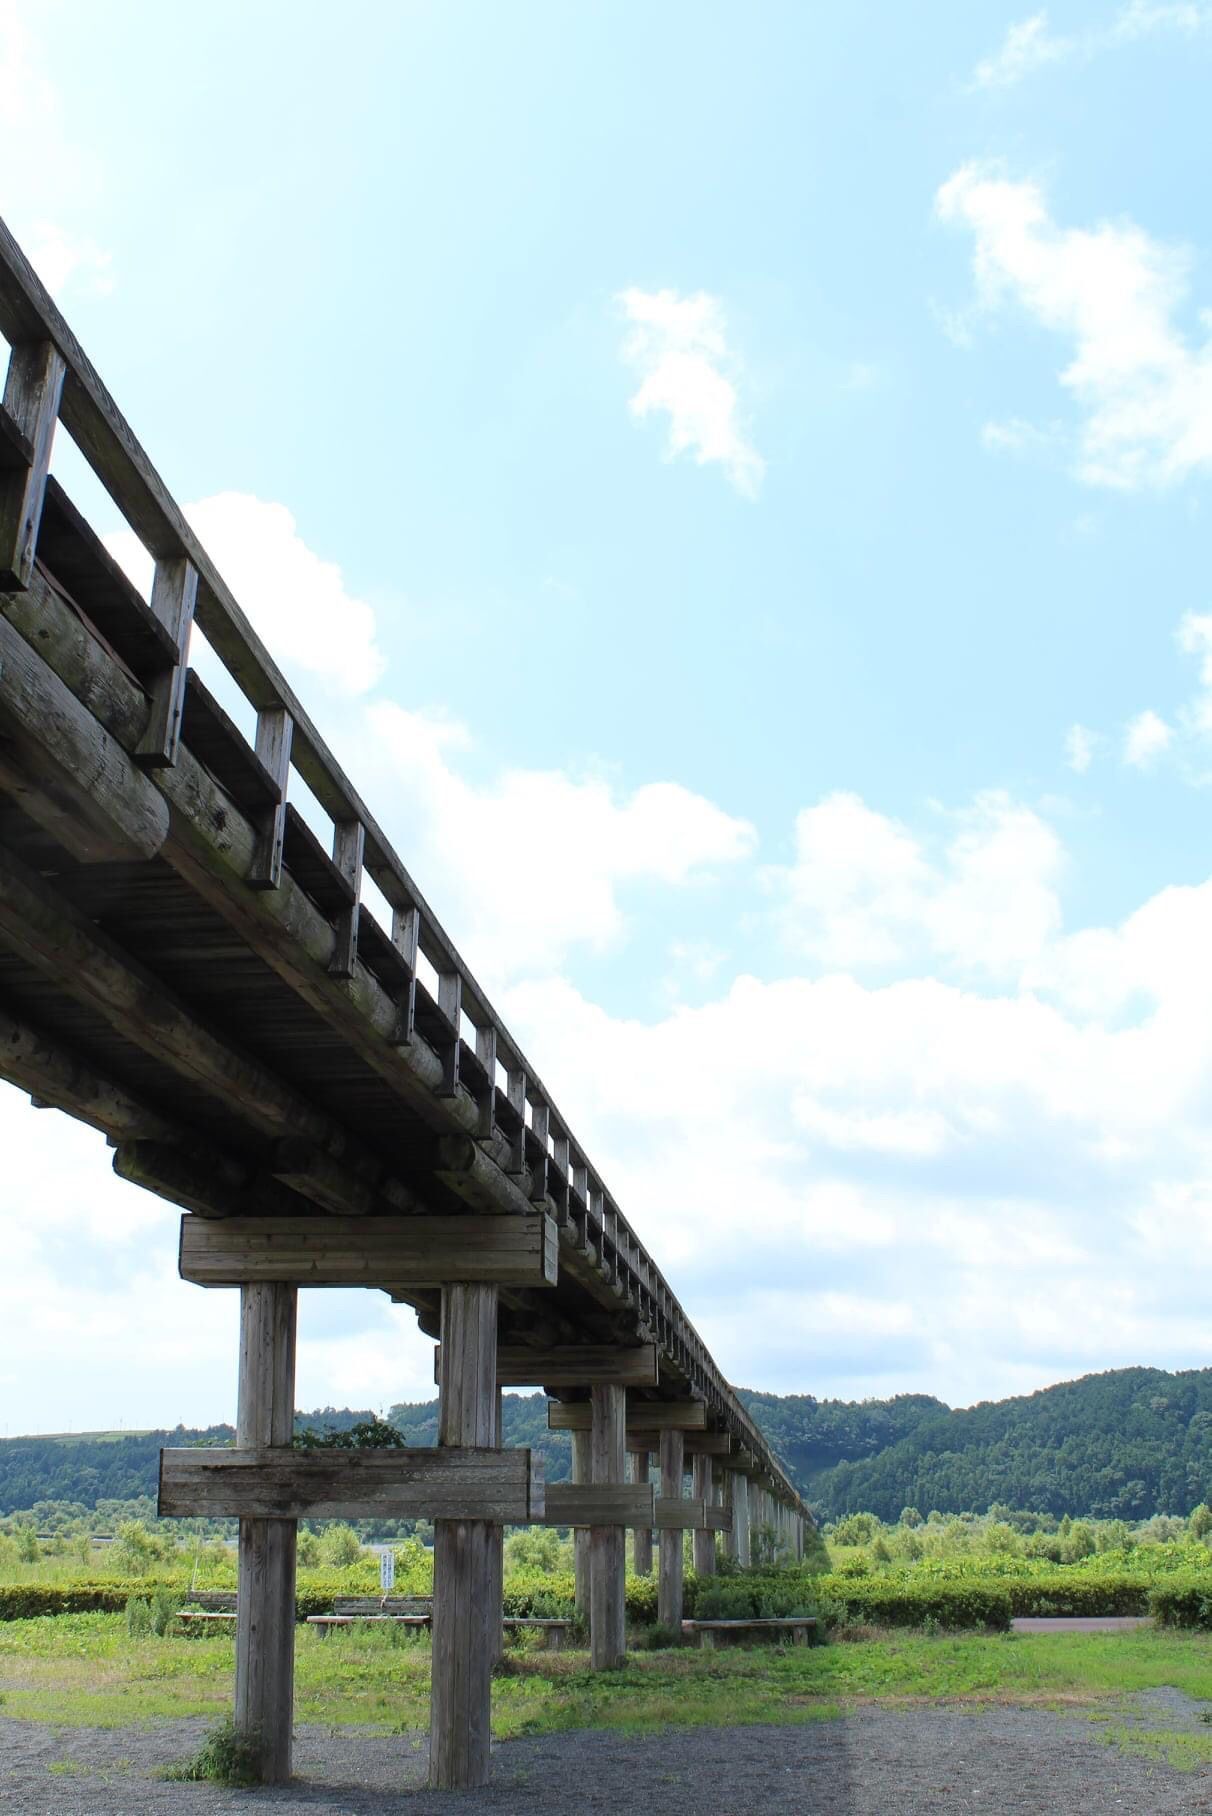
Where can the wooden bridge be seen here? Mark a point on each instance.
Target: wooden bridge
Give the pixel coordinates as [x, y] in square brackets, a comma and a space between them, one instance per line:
[332, 1100]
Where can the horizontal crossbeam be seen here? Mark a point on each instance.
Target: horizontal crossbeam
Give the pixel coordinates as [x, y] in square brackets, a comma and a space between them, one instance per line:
[448, 1483]
[690, 1513]
[385, 1252]
[572, 1365]
[598, 1504]
[694, 1443]
[642, 1415]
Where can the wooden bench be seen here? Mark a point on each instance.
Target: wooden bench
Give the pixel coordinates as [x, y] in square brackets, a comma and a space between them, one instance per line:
[324, 1623]
[797, 1626]
[200, 1616]
[553, 1630]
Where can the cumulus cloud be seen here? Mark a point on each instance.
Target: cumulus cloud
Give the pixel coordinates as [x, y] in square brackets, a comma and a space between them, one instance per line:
[863, 890]
[1145, 739]
[1080, 746]
[678, 347]
[1030, 46]
[1143, 387]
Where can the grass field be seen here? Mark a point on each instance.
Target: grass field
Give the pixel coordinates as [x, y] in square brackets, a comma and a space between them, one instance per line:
[87, 1670]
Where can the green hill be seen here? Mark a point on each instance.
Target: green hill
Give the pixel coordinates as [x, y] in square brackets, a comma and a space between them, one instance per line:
[1122, 1445]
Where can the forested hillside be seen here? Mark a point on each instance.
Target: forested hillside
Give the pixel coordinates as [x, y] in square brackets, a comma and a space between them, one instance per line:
[1123, 1445]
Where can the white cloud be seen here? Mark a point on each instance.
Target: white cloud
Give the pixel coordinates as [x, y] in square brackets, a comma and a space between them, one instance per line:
[863, 890]
[1145, 739]
[1142, 387]
[679, 348]
[1080, 746]
[298, 602]
[1029, 46]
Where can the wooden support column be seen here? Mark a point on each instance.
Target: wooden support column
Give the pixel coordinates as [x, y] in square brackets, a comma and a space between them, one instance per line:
[703, 1488]
[641, 1538]
[740, 1516]
[669, 1585]
[730, 1505]
[580, 1536]
[607, 1554]
[498, 1558]
[466, 1603]
[265, 1597]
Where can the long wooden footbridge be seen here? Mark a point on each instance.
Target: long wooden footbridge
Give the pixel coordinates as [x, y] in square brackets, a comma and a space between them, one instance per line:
[332, 1100]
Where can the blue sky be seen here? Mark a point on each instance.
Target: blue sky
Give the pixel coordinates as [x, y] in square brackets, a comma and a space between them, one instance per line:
[732, 483]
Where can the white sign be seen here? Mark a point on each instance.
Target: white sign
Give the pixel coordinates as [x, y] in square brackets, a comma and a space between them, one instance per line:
[387, 1570]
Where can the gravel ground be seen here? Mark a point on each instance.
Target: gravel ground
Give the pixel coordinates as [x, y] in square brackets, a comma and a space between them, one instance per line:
[874, 1762]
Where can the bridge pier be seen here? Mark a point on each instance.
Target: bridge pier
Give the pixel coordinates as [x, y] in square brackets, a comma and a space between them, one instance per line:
[466, 1585]
[703, 1488]
[607, 1555]
[641, 1538]
[740, 1516]
[265, 1598]
[582, 1474]
[669, 1586]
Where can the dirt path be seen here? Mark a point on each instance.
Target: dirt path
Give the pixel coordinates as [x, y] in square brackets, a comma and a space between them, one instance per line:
[874, 1762]
[1079, 1623]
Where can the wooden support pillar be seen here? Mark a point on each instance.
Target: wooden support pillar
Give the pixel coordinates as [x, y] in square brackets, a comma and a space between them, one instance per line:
[641, 1538]
[498, 1556]
[669, 1584]
[740, 1516]
[580, 1534]
[265, 1597]
[703, 1487]
[466, 1603]
[607, 1553]
[730, 1504]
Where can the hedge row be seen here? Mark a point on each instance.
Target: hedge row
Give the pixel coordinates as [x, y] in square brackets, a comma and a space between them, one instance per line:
[1183, 1602]
[869, 1602]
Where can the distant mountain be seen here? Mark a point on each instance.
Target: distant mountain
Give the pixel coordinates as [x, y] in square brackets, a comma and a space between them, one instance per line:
[1126, 1444]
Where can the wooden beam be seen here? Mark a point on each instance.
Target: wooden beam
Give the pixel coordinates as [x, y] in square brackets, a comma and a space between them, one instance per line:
[174, 591]
[574, 1365]
[642, 1415]
[581, 1478]
[629, 1504]
[607, 1542]
[466, 1615]
[416, 1484]
[71, 760]
[399, 1252]
[703, 1486]
[265, 1593]
[202, 1179]
[641, 1538]
[669, 1581]
[47, 1071]
[696, 1443]
[679, 1513]
[32, 394]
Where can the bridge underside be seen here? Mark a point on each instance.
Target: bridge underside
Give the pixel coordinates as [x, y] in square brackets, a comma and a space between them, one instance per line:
[186, 966]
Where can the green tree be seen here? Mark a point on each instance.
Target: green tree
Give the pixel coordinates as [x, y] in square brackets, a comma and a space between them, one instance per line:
[340, 1547]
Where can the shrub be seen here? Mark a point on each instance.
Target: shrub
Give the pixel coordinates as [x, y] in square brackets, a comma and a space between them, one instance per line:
[1183, 1602]
[340, 1547]
[138, 1617]
[225, 1757]
[883, 1602]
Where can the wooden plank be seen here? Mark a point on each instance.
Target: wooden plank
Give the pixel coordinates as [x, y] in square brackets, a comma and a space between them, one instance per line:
[679, 1513]
[315, 1175]
[312, 868]
[669, 1581]
[74, 762]
[467, 1606]
[642, 1415]
[576, 1365]
[607, 1538]
[719, 1519]
[16, 448]
[367, 1251]
[265, 1591]
[348, 847]
[218, 742]
[275, 740]
[86, 574]
[629, 1504]
[32, 391]
[448, 1483]
[202, 1179]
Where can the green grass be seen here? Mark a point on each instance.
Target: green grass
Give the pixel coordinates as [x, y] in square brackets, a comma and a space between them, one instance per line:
[86, 1670]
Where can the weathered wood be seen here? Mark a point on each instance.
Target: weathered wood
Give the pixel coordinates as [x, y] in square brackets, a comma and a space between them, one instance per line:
[607, 1557]
[275, 733]
[265, 1594]
[348, 849]
[466, 1618]
[202, 1179]
[31, 401]
[695, 1443]
[641, 1538]
[47, 1070]
[589, 1504]
[642, 1415]
[366, 1251]
[740, 1516]
[73, 761]
[669, 1580]
[582, 1476]
[423, 1484]
[335, 1186]
[576, 1365]
[174, 591]
[703, 1485]
[679, 1513]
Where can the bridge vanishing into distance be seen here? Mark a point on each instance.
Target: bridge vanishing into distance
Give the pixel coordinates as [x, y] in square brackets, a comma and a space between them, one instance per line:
[331, 1100]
